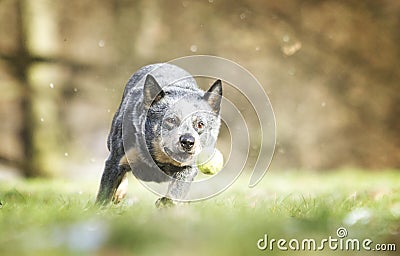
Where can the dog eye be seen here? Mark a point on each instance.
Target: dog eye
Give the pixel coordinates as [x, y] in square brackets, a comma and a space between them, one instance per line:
[171, 122]
[199, 126]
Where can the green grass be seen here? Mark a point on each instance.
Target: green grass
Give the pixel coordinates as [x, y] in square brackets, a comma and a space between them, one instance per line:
[54, 217]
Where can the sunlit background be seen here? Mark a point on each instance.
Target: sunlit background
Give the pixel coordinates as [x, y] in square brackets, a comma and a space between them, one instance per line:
[330, 68]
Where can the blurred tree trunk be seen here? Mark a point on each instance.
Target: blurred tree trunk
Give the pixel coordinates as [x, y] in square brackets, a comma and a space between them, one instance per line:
[149, 30]
[22, 61]
[35, 46]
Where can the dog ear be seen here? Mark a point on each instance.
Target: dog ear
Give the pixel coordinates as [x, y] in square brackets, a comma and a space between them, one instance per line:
[152, 91]
[214, 95]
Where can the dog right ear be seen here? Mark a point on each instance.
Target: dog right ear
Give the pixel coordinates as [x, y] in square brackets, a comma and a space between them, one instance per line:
[152, 91]
[214, 95]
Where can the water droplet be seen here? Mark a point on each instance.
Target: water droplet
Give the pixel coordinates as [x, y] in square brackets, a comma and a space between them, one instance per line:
[193, 48]
[51, 85]
[211, 1]
[257, 48]
[286, 38]
[292, 71]
[66, 154]
[108, 110]
[323, 104]
[42, 119]
[92, 160]
[101, 43]
[359, 215]
[243, 16]
[289, 50]
[75, 89]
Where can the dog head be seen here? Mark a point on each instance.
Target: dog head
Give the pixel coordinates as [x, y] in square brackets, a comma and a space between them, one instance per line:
[180, 121]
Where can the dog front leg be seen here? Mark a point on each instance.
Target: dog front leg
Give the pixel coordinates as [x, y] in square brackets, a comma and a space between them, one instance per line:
[114, 173]
[178, 187]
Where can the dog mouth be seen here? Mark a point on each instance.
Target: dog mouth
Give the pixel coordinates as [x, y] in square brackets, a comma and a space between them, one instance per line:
[181, 157]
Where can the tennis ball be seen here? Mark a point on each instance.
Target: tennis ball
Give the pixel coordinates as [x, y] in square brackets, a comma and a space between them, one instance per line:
[210, 161]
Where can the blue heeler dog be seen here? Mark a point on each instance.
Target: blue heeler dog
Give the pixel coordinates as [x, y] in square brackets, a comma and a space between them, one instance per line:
[164, 120]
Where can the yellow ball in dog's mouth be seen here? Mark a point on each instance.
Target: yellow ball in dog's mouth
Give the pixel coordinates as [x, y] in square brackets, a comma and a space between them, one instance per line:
[210, 161]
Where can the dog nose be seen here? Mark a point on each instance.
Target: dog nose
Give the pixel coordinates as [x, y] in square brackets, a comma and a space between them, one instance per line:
[187, 141]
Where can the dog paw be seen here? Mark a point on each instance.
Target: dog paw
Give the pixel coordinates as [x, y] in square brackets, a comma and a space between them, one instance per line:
[165, 202]
[121, 192]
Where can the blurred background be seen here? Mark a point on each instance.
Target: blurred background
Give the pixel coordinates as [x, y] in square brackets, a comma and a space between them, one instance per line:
[330, 68]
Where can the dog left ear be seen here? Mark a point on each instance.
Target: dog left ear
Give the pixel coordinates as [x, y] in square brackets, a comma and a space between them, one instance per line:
[152, 91]
[214, 95]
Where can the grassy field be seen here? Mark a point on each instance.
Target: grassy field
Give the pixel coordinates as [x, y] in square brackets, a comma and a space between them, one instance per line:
[55, 217]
